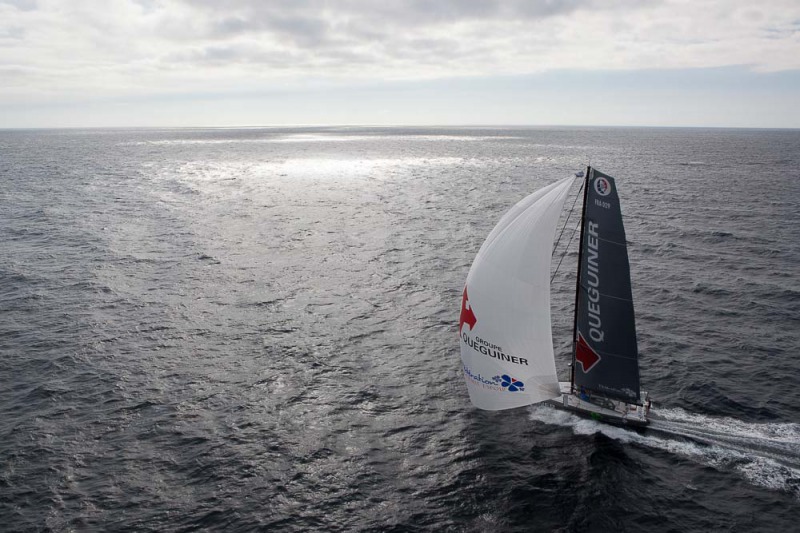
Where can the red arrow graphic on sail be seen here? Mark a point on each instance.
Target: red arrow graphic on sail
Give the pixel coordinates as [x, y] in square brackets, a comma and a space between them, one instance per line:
[585, 355]
[467, 316]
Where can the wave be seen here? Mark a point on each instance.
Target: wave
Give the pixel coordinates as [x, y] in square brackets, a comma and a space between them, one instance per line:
[767, 455]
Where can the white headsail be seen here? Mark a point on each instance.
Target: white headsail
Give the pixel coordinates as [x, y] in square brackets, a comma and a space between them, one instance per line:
[506, 339]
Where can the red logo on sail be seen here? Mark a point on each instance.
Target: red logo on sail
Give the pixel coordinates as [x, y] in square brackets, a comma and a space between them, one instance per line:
[585, 355]
[602, 186]
[467, 316]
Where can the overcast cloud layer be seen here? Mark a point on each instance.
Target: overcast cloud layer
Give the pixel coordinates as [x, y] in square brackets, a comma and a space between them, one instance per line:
[53, 50]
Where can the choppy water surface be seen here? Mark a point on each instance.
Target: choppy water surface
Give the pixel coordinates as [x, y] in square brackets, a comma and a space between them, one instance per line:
[257, 329]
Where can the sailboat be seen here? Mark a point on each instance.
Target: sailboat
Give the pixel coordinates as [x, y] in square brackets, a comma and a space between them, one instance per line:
[505, 330]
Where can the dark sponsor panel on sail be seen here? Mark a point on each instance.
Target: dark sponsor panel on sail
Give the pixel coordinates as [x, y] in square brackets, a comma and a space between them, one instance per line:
[606, 353]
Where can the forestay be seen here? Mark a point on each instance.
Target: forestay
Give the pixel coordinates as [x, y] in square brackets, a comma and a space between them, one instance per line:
[506, 339]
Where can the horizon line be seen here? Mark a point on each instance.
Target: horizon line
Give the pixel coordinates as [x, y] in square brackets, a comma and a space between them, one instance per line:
[400, 125]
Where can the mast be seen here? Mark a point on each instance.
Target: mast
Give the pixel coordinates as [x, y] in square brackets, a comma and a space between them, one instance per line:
[578, 281]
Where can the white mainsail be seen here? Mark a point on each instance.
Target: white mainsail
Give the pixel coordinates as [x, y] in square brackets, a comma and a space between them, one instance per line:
[506, 339]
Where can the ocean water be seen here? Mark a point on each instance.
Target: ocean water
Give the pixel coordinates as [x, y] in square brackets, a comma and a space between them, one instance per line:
[255, 329]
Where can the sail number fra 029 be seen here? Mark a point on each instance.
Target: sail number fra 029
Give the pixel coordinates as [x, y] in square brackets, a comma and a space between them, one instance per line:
[600, 203]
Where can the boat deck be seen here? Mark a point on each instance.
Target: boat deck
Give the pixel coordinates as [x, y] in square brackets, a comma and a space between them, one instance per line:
[601, 408]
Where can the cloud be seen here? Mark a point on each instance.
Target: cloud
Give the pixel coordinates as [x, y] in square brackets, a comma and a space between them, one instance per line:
[72, 49]
[23, 5]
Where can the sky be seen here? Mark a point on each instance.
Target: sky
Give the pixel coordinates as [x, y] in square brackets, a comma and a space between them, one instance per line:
[172, 63]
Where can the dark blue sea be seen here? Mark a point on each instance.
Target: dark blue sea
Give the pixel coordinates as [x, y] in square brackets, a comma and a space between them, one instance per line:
[255, 329]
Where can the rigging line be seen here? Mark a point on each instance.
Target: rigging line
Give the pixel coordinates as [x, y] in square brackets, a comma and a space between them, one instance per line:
[567, 221]
[562, 233]
[565, 252]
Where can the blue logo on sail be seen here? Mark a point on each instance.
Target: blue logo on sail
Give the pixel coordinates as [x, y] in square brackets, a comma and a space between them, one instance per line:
[497, 383]
[509, 383]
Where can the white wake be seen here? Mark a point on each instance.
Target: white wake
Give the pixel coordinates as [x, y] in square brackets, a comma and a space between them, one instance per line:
[767, 455]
